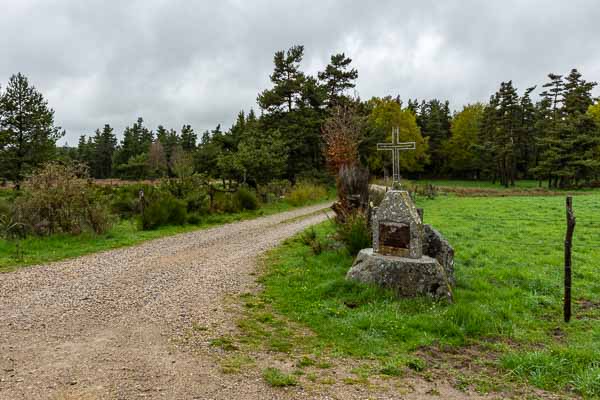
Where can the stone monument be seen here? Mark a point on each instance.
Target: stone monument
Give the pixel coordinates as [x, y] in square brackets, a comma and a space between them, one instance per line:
[408, 257]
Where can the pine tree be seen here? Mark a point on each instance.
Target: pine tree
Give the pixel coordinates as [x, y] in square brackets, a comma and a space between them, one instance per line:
[188, 138]
[208, 153]
[28, 136]
[485, 148]
[338, 78]
[136, 141]
[570, 137]
[295, 108]
[287, 80]
[85, 150]
[506, 139]
[433, 117]
[528, 134]
[105, 143]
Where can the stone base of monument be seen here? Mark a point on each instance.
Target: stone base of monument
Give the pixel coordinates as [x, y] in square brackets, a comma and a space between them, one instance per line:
[407, 277]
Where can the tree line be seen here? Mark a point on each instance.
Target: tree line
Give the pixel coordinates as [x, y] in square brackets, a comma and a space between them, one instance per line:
[555, 138]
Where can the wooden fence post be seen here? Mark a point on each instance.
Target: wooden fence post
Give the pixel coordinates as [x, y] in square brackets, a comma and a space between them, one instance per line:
[142, 203]
[568, 244]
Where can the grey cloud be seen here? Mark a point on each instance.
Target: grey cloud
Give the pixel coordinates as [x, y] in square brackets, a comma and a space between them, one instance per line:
[200, 62]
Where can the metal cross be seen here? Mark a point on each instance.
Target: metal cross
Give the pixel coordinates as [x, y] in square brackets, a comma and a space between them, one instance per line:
[395, 147]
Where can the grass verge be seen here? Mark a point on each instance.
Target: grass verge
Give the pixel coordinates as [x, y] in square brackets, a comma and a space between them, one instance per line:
[38, 250]
[504, 328]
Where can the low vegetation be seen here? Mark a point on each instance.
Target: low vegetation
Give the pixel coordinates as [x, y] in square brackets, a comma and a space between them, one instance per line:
[59, 213]
[305, 192]
[507, 314]
[276, 378]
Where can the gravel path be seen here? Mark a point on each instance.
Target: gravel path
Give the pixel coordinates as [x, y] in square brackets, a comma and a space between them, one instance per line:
[102, 326]
[118, 324]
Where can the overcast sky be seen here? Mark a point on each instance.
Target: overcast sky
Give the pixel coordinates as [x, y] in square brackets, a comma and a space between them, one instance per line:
[200, 62]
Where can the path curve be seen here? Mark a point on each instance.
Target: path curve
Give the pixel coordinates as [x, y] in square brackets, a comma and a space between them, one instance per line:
[105, 326]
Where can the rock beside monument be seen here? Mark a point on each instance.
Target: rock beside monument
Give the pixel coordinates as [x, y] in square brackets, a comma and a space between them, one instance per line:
[407, 277]
[436, 246]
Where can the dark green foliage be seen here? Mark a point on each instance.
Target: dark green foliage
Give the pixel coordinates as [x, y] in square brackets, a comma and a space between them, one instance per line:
[514, 137]
[136, 168]
[225, 202]
[162, 208]
[433, 117]
[246, 199]
[125, 199]
[194, 219]
[355, 233]
[261, 155]
[569, 136]
[293, 107]
[198, 202]
[97, 152]
[136, 141]
[287, 80]
[338, 78]
[27, 132]
[188, 138]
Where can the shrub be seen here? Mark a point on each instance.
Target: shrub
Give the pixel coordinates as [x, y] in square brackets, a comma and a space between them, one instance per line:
[59, 199]
[276, 378]
[99, 218]
[194, 219]
[162, 208]
[198, 202]
[224, 202]
[184, 186]
[273, 190]
[5, 208]
[125, 199]
[311, 239]
[246, 199]
[178, 212]
[305, 192]
[355, 232]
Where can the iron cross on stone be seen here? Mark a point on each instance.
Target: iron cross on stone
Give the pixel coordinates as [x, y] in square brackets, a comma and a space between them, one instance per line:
[395, 147]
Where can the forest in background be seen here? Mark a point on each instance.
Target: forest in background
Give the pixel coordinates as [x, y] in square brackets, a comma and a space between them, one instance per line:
[553, 137]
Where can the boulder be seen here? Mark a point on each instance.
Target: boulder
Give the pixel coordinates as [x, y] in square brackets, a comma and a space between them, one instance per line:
[436, 246]
[407, 277]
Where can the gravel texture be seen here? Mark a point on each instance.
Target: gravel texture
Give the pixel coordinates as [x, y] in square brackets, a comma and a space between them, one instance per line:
[103, 325]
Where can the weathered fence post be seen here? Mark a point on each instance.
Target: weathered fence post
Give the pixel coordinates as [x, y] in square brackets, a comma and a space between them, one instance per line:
[568, 244]
[142, 203]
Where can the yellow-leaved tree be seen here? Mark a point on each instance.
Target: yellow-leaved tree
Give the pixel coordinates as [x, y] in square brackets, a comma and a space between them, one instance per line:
[594, 112]
[461, 148]
[387, 113]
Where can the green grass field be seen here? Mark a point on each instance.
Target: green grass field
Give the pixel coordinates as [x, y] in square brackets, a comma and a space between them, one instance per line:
[37, 250]
[507, 308]
[522, 184]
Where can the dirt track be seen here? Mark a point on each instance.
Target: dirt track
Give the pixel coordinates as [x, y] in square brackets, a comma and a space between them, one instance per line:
[111, 325]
